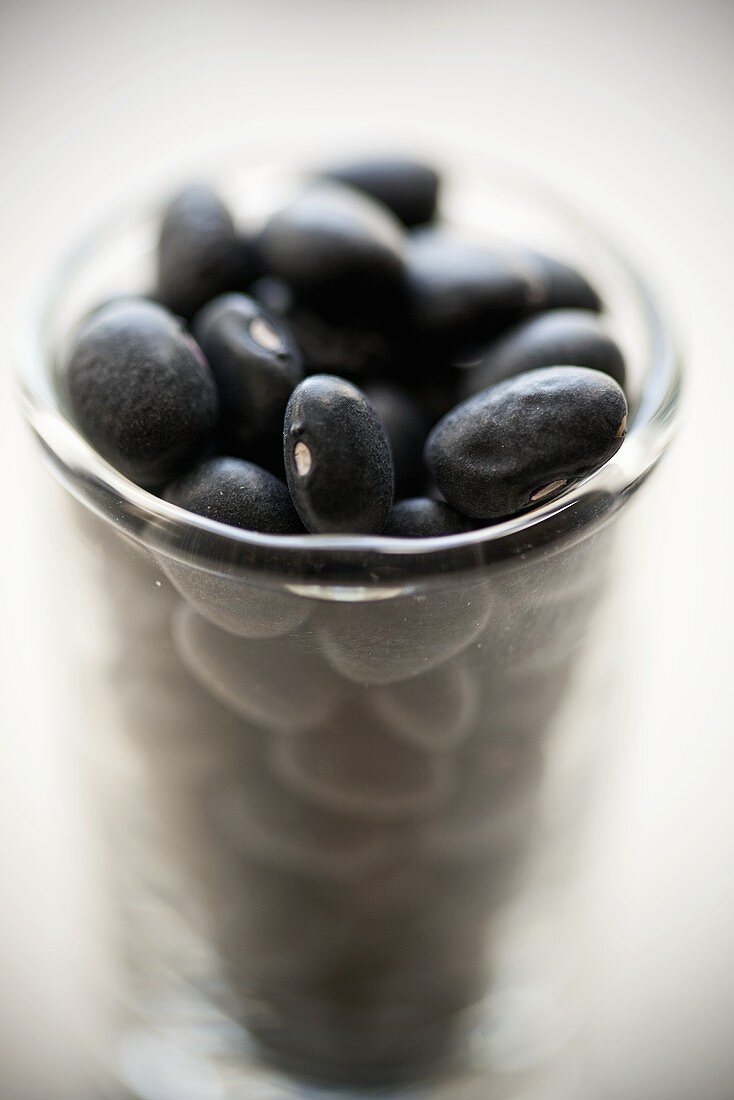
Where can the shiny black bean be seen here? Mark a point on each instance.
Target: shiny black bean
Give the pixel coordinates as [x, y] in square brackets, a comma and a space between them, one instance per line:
[436, 389]
[233, 491]
[565, 287]
[408, 187]
[564, 337]
[384, 641]
[337, 249]
[255, 363]
[328, 346]
[277, 685]
[436, 711]
[352, 351]
[272, 293]
[337, 458]
[140, 390]
[354, 765]
[522, 441]
[240, 494]
[200, 254]
[238, 604]
[423, 518]
[259, 818]
[406, 426]
[461, 294]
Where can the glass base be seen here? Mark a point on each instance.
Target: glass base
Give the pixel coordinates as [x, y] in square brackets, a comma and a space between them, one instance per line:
[193, 1052]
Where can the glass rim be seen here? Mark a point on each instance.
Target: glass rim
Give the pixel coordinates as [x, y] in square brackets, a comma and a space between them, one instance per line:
[91, 478]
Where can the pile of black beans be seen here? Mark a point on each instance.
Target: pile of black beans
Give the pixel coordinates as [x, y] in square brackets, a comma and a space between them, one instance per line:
[336, 808]
[350, 367]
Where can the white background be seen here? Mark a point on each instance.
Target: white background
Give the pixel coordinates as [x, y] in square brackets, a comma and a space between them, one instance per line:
[627, 106]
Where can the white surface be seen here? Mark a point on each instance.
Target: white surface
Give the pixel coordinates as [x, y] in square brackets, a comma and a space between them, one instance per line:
[627, 107]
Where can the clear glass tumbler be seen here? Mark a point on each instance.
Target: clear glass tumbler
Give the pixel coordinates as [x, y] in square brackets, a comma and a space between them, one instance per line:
[343, 778]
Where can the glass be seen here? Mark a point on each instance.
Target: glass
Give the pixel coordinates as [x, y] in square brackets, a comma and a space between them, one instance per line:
[343, 778]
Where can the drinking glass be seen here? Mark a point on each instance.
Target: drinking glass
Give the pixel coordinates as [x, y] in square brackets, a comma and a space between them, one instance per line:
[342, 780]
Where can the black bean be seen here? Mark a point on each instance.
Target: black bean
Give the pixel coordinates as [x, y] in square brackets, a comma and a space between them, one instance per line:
[408, 187]
[200, 254]
[276, 684]
[423, 518]
[437, 390]
[255, 363]
[275, 295]
[264, 821]
[233, 491]
[140, 390]
[118, 299]
[563, 337]
[352, 351]
[383, 641]
[522, 441]
[406, 427]
[461, 294]
[337, 458]
[435, 711]
[564, 286]
[339, 250]
[353, 765]
[241, 494]
[238, 604]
